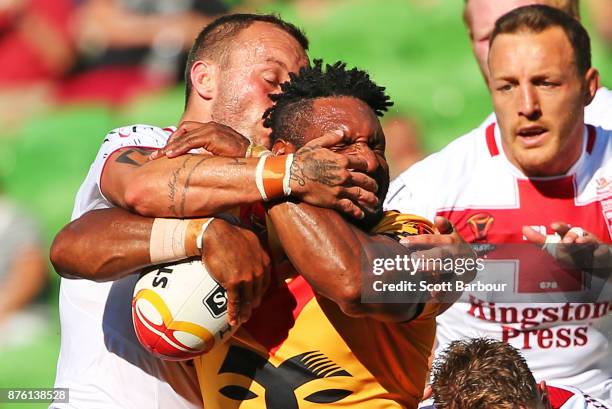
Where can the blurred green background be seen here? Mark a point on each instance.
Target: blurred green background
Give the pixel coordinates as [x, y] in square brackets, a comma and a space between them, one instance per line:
[419, 50]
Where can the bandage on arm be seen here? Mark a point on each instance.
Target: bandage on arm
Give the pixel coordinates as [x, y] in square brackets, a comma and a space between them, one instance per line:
[176, 239]
[109, 244]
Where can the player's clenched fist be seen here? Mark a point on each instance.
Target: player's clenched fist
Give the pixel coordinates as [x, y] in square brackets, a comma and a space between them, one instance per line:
[244, 271]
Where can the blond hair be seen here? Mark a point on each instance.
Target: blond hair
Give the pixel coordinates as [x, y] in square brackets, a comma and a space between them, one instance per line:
[571, 7]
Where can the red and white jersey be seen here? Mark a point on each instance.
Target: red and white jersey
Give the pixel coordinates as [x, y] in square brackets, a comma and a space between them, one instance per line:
[489, 200]
[560, 397]
[597, 113]
[101, 361]
[566, 397]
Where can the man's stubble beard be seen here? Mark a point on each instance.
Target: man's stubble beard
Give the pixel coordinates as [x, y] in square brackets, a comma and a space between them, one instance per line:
[229, 109]
[226, 109]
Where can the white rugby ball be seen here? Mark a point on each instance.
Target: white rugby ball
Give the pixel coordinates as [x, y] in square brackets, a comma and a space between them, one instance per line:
[179, 310]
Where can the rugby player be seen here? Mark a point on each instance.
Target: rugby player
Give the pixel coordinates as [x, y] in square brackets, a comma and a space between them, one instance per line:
[488, 374]
[312, 341]
[539, 164]
[479, 17]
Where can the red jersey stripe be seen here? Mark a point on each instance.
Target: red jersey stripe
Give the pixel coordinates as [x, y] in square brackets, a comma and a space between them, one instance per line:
[491, 144]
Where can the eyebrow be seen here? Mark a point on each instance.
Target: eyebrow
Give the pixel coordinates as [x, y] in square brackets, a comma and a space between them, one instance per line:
[279, 62]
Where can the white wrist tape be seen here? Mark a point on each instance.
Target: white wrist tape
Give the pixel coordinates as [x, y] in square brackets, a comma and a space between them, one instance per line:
[176, 239]
[287, 177]
[167, 242]
[200, 238]
[578, 231]
[259, 177]
[550, 245]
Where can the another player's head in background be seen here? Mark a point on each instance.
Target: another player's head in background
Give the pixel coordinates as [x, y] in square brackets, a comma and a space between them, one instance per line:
[541, 81]
[480, 16]
[234, 64]
[486, 374]
[321, 100]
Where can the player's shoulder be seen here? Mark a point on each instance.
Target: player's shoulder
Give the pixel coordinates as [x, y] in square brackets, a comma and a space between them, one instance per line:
[139, 135]
[603, 141]
[567, 397]
[598, 111]
[599, 148]
[451, 162]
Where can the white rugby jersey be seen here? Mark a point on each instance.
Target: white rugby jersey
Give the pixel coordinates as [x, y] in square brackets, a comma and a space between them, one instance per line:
[597, 113]
[566, 397]
[489, 200]
[560, 397]
[101, 360]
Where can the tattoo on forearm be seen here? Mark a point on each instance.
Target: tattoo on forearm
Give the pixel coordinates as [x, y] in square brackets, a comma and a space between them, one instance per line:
[134, 156]
[172, 185]
[186, 186]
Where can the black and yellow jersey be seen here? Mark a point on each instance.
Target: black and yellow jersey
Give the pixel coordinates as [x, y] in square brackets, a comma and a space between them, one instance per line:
[298, 350]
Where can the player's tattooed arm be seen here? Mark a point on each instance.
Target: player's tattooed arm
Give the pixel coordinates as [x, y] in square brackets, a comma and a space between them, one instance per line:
[134, 156]
[202, 185]
[185, 186]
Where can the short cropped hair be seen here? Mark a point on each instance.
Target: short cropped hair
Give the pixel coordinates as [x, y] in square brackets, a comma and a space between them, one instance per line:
[482, 373]
[538, 18]
[290, 114]
[214, 41]
[571, 7]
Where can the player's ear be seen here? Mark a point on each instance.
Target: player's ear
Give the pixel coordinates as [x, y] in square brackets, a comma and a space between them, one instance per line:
[282, 147]
[592, 84]
[204, 78]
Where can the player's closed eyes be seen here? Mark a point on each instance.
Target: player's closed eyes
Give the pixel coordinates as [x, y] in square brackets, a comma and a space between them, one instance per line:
[271, 78]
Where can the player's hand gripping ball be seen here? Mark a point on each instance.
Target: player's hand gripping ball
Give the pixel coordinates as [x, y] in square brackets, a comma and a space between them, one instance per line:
[179, 310]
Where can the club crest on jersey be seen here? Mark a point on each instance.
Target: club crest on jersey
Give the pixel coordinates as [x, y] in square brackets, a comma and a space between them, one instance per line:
[480, 224]
[281, 382]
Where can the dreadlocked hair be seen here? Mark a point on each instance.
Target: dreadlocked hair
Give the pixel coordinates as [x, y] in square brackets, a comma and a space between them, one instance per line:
[293, 105]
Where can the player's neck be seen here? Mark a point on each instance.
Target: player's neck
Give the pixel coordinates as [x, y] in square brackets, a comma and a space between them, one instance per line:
[196, 113]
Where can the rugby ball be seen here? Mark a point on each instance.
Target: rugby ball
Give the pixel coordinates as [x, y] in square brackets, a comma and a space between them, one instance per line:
[179, 311]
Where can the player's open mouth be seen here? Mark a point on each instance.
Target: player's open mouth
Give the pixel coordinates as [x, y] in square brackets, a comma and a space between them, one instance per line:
[532, 135]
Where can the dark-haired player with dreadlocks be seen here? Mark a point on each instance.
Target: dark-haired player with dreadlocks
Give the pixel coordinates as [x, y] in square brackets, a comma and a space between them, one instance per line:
[312, 341]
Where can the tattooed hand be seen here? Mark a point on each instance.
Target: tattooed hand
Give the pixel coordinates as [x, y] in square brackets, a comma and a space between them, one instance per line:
[214, 138]
[324, 178]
